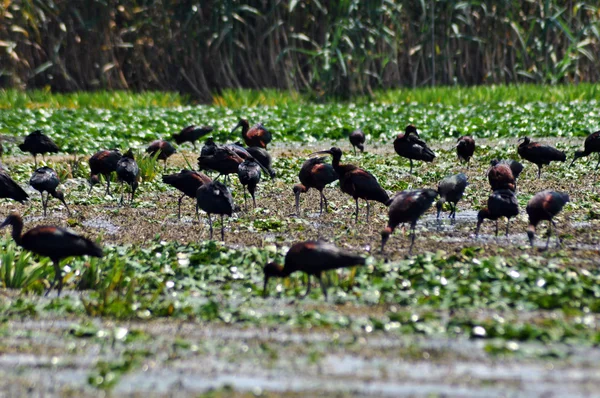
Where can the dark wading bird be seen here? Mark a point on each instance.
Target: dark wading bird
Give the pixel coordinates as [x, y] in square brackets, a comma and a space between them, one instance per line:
[219, 158]
[515, 167]
[9, 189]
[188, 182]
[465, 147]
[501, 176]
[54, 242]
[356, 182]
[410, 146]
[256, 135]
[249, 175]
[164, 149]
[501, 203]
[357, 139]
[312, 258]
[43, 180]
[191, 134]
[591, 145]
[103, 163]
[451, 190]
[38, 143]
[264, 158]
[314, 173]
[544, 206]
[407, 206]
[539, 154]
[128, 172]
[215, 198]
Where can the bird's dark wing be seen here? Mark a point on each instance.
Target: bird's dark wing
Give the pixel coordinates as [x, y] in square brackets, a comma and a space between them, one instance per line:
[366, 186]
[10, 189]
[58, 243]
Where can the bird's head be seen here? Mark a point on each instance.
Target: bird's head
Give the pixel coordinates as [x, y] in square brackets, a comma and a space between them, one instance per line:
[361, 147]
[482, 215]
[411, 129]
[494, 162]
[94, 179]
[59, 195]
[129, 154]
[440, 204]
[12, 219]
[242, 123]
[385, 235]
[298, 189]
[524, 140]
[578, 154]
[271, 270]
[333, 151]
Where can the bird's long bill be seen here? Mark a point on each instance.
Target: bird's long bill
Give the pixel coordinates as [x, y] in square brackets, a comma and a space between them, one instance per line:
[327, 152]
[66, 207]
[262, 167]
[4, 223]
[521, 139]
[236, 127]
[265, 286]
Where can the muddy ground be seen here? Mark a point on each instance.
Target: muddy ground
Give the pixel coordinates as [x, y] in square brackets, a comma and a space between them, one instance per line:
[46, 357]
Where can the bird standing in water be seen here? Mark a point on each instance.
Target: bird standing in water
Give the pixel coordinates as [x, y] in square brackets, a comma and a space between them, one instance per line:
[544, 206]
[312, 258]
[501, 203]
[410, 146]
[451, 190]
[54, 242]
[45, 179]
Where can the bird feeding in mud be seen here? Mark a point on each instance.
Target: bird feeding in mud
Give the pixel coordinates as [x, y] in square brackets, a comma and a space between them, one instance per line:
[215, 198]
[451, 190]
[312, 258]
[356, 182]
[257, 135]
[128, 173]
[501, 203]
[539, 154]
[191, 134]
[317, 174]
[357, 139]
[407, 207]
[54, 242]
[221, 159]
[410, 146]
[263, 157]
[591, 145]
[544, 206]
[164, 149]
[38, 143]
[103, 163]
[45, 179]
[188, 182]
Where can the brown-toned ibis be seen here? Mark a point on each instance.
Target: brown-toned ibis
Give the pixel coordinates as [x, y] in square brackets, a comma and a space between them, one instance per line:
[407, 207]
[543, 207]
[465, 148]
[38, 143]
[103, 163]
[256, 135]
[191, 134]
[356, 182]
[501, 203]
[451, 190]
[591, 145]
[9, 189]
[218, 158]
[539, 154]
[215, 198]
[45, 179]
[54, 242]
[164, 149]
[314, 173]
[312, 258]
[249, 175]
[188, 182]
[410, 146]
[501, 176]
[357, 139]
[128, 172]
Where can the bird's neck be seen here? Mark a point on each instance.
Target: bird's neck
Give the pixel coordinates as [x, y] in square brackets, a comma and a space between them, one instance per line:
[281, 272]
[335, 162]
[17, 229]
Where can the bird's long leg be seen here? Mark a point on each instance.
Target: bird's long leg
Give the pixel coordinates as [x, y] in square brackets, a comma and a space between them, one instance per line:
[66, 207]
[354, 150]
[197, 212]
[321, 204]
[165, 166]
[245, 199]
[222, 229]
[43, 203]
[368, 211]
[210, 225]
[122, 189]
[558, 241]
[412, 237]
[35, 160]
[539, 171]
[411, 166]
[179, 207]
[253, 200]
[132, 193]
[307, 288]
[507, 225]
[326, 203]
[598, 164]
[323, 287]
[496, 227]
[108, 185]
[356, 216]
[549, 233]
[57, 278]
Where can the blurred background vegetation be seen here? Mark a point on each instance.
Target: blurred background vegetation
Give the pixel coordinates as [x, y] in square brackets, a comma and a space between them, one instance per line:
[320, 48]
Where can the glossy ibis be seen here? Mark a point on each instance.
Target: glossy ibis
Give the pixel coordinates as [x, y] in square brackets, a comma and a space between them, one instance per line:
[356, 182]
[219, 158]
[45, 179]
[191, 134]
[128, 172]
[515, 167]
[501, 176]
[544, 206]
[249, 175]
[407, 206]
[164, 149]
[188, 182]
[357, 139]
[215, 198]
[501, 203]
[314, 173]
[410, 146]
[256, 135]
[465, 147]
[451, 190]
[539, 154]
[591, 145]
[9, 189]
[312, 258]
[38, 143]
[54, 242]
[263, 157]
[103, 163]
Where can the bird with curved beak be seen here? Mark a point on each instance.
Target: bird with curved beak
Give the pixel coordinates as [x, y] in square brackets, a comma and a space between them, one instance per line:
[356, 182]
[538, 153]
[317, 174]
[256, 135]
[591, 145]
